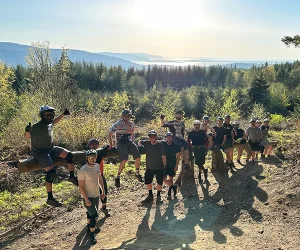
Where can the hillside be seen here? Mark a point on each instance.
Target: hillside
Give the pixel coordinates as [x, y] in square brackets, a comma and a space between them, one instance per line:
[13, 54]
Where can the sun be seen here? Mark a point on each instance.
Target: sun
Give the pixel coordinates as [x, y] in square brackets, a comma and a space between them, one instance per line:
[170, 15]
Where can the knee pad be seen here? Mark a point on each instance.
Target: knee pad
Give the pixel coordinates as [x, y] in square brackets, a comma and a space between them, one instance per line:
[93, 220]
[50, 175]
[70, 158]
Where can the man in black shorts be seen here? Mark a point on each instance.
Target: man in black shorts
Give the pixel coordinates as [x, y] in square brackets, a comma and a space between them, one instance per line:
[198, 141]
[43, 150]
[173, 158]
[177, 128]
[254, 136]
[228, 145]
[156, 162]
[124, 130]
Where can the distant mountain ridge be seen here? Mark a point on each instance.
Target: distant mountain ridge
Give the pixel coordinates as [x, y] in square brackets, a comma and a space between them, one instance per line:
[133, 56]
[14, 54]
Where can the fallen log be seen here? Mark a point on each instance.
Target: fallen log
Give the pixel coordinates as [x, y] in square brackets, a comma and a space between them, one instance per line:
[32, 164]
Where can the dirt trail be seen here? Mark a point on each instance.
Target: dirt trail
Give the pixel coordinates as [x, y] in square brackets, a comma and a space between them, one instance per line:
[256, 207]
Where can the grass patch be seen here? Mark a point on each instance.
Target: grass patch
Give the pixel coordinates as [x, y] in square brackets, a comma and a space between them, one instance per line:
[22, 205]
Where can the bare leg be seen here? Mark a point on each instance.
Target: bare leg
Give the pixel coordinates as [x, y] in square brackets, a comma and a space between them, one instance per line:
[121, 166]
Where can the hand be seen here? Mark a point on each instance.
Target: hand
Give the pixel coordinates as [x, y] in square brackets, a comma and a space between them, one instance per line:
[28, 127]
[102, 196]
[162, 117]
[88, 203]
[66, 112]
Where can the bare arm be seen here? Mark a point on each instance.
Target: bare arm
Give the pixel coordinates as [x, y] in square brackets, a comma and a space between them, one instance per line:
[27, 135]
[162, 122]
[110, 133]
[57, 119]
[177, 160]
[81, 184]
[101, 185]
[164, 159]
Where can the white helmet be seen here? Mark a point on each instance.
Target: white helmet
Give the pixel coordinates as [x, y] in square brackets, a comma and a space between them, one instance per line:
[197, 122]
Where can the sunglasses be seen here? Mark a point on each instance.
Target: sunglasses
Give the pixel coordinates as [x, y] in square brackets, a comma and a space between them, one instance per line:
[49, 115]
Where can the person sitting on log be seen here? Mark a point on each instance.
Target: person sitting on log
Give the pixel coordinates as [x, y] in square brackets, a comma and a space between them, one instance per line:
[206, 126]
[90, 181]
[43, 150]
[124, 129]
[94, 144]
[198, 141]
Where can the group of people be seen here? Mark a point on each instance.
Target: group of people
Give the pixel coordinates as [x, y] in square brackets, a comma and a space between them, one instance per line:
[162, 157]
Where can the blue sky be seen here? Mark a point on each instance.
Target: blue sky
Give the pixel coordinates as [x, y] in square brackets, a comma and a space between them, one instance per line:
[170, 28]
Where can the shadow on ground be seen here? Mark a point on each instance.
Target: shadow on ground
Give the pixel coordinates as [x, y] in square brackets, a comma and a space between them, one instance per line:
[179, 228]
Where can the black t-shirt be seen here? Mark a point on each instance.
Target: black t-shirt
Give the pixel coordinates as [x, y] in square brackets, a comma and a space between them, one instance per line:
[198, 138]
[263, 127]
[228, 128]
[154, 155]
[220, 132]
[239, 133]
[171, 151]
[41, 136]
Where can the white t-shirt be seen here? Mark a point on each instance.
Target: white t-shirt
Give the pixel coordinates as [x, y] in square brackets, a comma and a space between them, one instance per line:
[91, 177]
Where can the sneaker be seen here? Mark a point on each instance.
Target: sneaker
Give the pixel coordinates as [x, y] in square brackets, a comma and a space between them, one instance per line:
[105, 211]
[232, 164]
[93, 239]
[186, 167]
[247, 161]
[139, 177]
[53, 202]
[175, 190]
[169, 198]
[239, 162]
[73, 180]
[117, 182]
[148, 198]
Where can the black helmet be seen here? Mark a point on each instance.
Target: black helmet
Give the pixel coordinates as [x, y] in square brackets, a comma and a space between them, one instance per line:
[93, 141]
[220, 118]
[152, 132]
[227, 116]
[179, 112]
[168, 134]
[90, 152]
[205, 118]
[126, 112]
